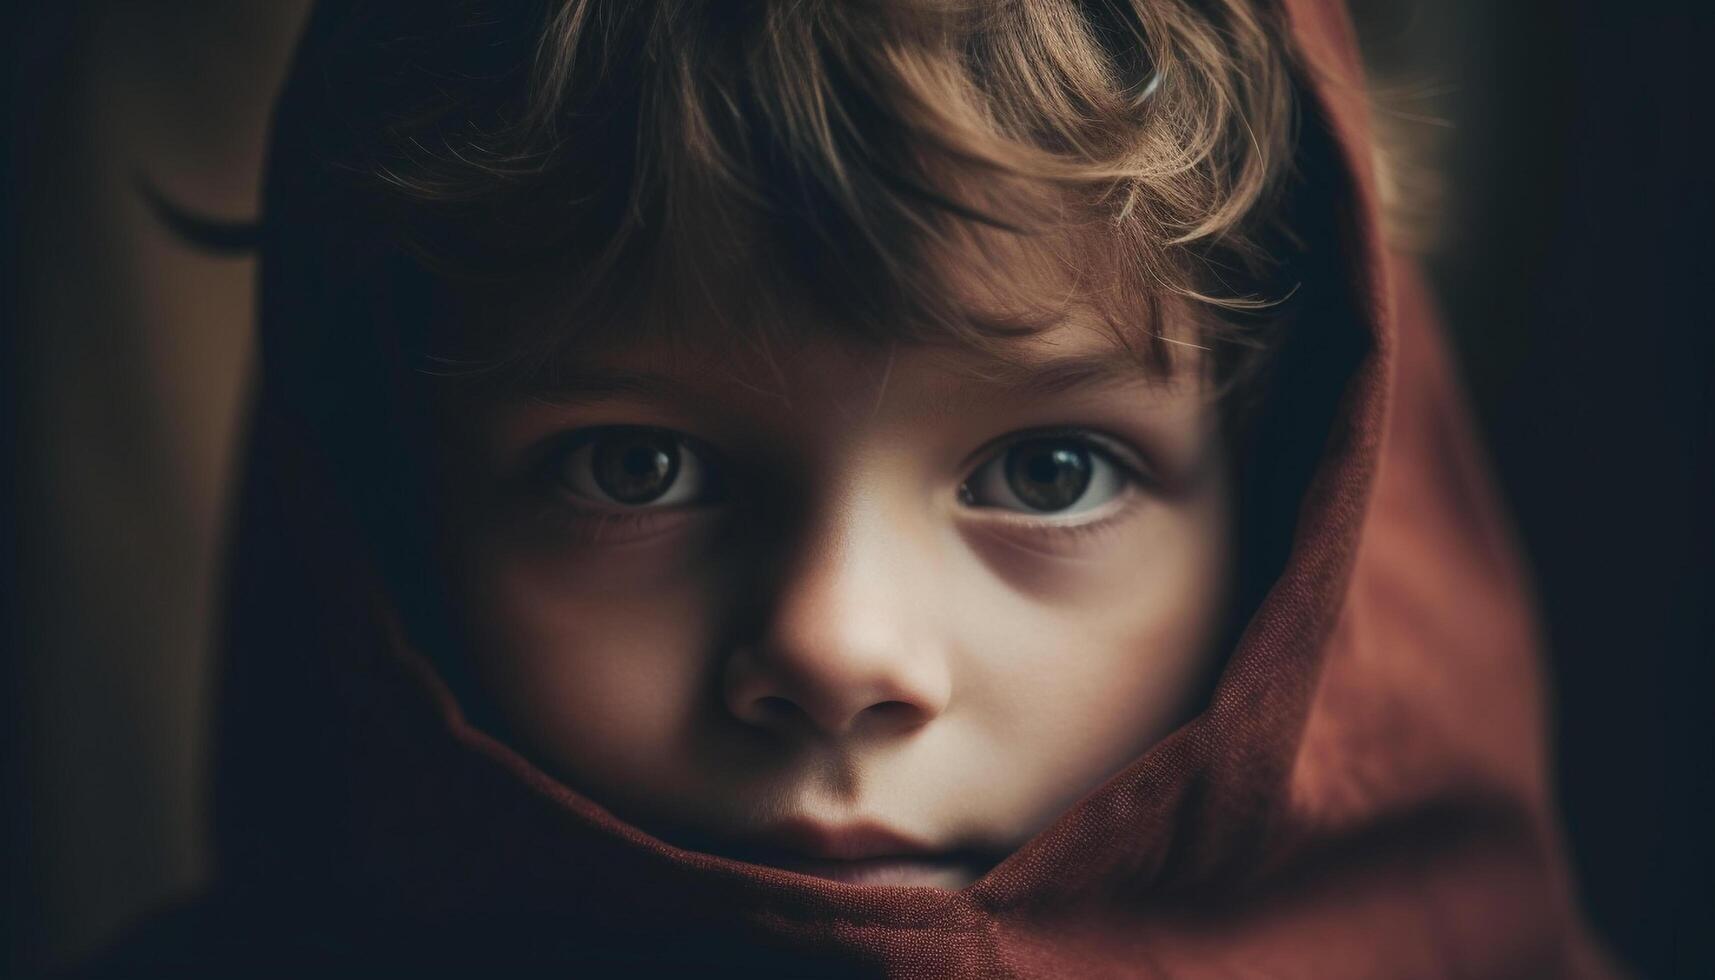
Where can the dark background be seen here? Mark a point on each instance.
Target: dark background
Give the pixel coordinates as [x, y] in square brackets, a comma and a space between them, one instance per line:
[1565, 206]
[1574, 270]
[1578, 284]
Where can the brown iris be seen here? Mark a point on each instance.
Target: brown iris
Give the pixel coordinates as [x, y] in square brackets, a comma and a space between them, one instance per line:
[1048, 474]
[635, 466]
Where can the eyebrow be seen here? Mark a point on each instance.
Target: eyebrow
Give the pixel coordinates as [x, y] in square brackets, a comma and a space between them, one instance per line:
[586, 385]
[993, 377]
[1068, 372]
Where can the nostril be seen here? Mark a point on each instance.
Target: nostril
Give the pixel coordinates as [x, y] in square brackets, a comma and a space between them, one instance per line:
[781, 715]
[891, 715]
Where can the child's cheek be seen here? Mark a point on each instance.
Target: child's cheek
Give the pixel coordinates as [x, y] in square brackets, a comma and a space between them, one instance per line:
[595, 655]
[1075, 666]
[1151, 552]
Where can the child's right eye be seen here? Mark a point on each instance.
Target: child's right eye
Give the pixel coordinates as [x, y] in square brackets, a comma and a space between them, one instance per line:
[632, 466]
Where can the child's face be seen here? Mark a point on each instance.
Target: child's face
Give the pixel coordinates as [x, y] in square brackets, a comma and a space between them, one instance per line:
[752, 605]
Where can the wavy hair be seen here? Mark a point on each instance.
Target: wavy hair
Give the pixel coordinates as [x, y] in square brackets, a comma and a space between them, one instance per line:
[922, 170]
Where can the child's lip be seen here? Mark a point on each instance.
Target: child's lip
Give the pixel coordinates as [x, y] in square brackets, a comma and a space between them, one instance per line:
[803, 838]
[861, 852]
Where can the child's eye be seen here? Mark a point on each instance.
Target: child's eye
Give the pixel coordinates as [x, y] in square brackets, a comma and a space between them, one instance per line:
[632, 466]
[1056, 474]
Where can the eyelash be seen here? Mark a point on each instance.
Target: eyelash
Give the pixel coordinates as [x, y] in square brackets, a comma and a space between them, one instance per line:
[588, 523]
[1110, 448]
[591, 525]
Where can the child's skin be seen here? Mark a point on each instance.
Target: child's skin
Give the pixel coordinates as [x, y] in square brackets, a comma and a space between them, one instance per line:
[834, 608]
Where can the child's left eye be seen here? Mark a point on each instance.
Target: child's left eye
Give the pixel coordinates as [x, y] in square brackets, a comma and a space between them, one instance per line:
[1051, 474]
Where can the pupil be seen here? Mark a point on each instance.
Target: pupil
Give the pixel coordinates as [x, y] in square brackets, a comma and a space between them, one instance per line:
[636, 468]
[1048, 475]
[641, 461]
[1044, 468]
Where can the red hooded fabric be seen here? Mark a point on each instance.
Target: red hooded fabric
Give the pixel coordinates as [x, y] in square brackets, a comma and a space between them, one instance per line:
[1366, 794]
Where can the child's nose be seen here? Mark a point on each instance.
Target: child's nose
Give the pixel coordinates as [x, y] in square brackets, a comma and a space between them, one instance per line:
[850, 644]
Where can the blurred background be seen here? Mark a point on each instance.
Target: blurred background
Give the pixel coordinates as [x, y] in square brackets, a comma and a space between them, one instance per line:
[1553, 154]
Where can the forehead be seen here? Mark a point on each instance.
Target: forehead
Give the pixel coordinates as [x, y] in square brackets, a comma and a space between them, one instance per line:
[995, 304]
[1077, 354]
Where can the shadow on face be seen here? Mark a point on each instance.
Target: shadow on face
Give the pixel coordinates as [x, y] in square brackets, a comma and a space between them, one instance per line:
[923, 589]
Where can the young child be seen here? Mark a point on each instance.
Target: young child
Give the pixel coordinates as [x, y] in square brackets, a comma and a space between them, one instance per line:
[854, 487]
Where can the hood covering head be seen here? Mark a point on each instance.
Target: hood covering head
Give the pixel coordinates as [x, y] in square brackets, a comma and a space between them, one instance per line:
[1364, 795]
